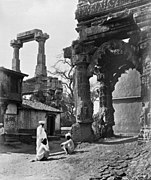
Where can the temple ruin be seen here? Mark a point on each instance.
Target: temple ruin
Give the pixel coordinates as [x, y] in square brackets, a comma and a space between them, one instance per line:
[114, 36]
[41, 87]
[44, 91]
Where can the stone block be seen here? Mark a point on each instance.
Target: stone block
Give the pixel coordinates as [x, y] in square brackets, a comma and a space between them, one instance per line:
[82, 132]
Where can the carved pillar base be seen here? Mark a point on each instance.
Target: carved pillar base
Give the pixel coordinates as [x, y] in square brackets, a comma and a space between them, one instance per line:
[82, 132]
[109, 131]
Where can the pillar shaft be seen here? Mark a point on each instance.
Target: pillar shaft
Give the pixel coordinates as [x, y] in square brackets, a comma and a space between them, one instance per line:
[41, 59]
[145, 47]
[106, 110]
[83, 104]
[15, 61]
[82, 129]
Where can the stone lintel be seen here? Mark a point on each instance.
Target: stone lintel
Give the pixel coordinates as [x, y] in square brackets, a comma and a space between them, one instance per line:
[28, 35]
[113, 26]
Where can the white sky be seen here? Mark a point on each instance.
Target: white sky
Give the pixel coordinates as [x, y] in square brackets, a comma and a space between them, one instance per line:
[54, 17]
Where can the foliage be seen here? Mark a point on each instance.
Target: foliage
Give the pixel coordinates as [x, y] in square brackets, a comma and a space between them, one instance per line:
[63, 70]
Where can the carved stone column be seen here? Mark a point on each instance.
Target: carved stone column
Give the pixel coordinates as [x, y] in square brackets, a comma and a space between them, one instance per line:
[83, 103]
[41, 59]
[16, 44]
[82, 130]
[105, 95]
[145, 51]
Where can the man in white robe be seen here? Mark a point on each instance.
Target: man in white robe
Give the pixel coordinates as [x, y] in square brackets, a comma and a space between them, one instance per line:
[41, 135]
[2, 133]
[43, 151]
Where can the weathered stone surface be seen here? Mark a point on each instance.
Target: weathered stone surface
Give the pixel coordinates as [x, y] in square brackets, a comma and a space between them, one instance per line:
[105, 25]
[88, 8]
[16, 44]
[82, 132]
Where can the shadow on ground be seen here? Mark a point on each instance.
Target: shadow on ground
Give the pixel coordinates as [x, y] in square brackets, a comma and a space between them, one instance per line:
[29, 149]
[118, 140]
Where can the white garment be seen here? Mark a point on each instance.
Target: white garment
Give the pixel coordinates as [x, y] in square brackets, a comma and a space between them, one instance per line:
[69, 145]
[42, 152]
[41, 134]
[2, 131]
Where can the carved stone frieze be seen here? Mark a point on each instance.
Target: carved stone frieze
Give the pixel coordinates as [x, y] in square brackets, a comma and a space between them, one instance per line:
[84, 33]
[88, 8]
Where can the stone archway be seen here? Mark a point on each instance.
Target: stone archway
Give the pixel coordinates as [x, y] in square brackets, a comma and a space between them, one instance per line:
[109, 61]
[98, 23]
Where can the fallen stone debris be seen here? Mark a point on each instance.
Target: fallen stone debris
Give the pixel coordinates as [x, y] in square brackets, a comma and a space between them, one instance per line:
[134, 165]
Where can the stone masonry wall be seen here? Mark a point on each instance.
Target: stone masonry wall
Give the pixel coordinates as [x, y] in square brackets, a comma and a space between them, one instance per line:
[127, 103]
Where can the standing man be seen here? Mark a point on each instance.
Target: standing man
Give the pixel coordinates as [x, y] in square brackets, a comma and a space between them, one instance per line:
[41, 135]
[2, 133]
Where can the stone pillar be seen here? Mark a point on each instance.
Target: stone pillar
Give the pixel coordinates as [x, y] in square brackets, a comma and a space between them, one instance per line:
[145, 55]
[16, 44]
[41, 59]
[105, 96]
[83, 103]
[82, 129]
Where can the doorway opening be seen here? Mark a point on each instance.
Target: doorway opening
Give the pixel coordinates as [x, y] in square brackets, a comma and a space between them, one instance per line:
[51, 125]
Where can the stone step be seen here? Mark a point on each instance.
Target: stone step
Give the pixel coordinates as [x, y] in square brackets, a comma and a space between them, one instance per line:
[9, 139]
[12, 143]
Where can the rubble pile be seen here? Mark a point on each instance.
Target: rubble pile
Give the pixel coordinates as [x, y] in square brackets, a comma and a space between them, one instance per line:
[133, 165]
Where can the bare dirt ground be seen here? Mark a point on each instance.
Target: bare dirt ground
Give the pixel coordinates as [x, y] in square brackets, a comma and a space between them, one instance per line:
[89, 160]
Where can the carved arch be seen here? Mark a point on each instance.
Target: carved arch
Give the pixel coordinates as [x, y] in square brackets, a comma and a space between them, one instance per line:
[104, 54]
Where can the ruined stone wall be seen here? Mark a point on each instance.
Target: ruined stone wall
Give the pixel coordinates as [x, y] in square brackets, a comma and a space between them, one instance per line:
[4, 85]
[10, 123]
[127, 103]
[28, 119]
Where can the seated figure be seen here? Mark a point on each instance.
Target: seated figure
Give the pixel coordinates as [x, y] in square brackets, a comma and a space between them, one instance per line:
[43, 151]
[68, 146]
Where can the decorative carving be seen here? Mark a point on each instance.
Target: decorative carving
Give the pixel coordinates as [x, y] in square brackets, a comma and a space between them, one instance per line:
[16, 43]
[39, 36]
[92, 7]
[93, 30]
[104, 68]
[117, 47]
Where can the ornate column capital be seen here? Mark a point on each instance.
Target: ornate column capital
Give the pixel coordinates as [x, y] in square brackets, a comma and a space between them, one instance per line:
[81, 52]
[39, 36]
[16, 43]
